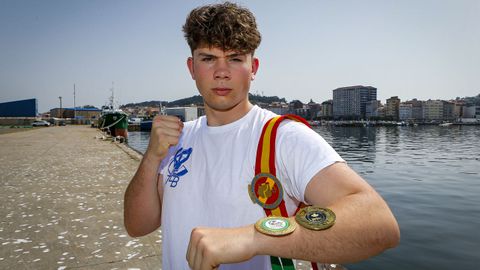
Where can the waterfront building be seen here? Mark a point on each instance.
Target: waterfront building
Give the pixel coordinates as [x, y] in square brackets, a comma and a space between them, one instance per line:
[381, 112]
[371, 109]
[298, 108]
[417, 109]
[279, 108]
[416, 113]
[313, 110]
[327, 109]
[57, 112]
[471, 111]
[458, 108]
[200, 111]
[184, 113]
[405, 111]
[295, 104]
[448, 111]
[433, 110]
[392, 108]
[19, 108]
[81, 115]
[351, 102]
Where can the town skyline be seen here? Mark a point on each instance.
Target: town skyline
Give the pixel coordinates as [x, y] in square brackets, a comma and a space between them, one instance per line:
[426, 49]
[294, 99]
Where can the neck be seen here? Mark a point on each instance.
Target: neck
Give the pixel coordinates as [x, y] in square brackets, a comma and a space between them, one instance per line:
[220, 118]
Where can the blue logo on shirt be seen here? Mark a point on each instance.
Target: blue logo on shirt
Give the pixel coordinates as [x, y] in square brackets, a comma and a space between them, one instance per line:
[176, 169]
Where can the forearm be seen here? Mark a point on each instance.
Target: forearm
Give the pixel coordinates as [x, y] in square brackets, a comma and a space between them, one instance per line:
[362, 229]
[142, 204]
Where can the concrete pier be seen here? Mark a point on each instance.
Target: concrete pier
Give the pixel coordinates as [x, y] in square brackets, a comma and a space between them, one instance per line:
[61, 198]
[61, 203]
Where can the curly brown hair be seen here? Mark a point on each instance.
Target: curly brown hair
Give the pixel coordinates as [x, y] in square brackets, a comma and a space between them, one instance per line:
[226, 26]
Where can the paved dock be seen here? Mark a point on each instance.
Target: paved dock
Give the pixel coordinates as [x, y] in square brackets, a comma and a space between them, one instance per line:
[61, 198]
[61, 203]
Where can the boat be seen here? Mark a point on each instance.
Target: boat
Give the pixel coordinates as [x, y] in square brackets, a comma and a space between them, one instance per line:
[113, 121]
[313, 123]
[445, 124]
[146, 125]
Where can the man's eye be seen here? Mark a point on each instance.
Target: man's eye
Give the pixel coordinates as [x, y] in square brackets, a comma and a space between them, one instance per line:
[236, 60]
[207, 59]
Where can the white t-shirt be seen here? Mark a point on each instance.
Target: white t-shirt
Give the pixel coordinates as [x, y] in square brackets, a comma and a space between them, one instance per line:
[206, 178]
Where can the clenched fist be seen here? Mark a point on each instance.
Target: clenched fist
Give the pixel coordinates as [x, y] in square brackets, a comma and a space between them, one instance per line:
[166, 130]
[211, 247]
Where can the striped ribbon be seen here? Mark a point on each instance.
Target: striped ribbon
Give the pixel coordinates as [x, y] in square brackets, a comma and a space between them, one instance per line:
[268, 191]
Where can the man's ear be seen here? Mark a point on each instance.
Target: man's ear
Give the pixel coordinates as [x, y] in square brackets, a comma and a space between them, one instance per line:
[190, 67]
[255, 65]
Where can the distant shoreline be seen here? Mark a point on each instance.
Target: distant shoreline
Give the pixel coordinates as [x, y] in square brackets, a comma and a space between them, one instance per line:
[356, 123]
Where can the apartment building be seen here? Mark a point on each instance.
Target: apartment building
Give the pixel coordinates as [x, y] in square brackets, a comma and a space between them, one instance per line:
[351, 102]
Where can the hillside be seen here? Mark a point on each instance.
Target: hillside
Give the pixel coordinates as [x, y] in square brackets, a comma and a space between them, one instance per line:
[198, 100]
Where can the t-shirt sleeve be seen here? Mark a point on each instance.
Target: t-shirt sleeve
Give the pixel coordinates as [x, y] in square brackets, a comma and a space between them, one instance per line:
[301, 153]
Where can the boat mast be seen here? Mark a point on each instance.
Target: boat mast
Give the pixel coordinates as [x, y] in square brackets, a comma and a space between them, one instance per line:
[162, 109]
[112, 99]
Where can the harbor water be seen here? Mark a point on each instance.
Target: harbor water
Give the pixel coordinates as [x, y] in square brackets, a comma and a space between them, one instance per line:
[429, 176]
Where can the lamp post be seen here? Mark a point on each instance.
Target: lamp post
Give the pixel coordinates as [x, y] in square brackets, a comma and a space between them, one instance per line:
[74, 108]
[60, 112]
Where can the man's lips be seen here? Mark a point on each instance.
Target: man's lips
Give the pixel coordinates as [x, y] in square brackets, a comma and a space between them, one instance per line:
[222, 91]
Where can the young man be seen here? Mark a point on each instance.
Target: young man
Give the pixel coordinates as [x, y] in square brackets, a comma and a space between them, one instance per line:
[194, 179]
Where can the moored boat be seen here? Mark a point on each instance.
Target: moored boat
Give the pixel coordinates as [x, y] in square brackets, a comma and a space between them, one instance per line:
[112, 120]
[146, 125]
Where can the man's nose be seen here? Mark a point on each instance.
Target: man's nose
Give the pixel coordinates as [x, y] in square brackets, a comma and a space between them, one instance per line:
[222, 70]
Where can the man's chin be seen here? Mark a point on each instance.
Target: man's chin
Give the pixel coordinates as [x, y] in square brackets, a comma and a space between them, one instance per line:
[222, 106]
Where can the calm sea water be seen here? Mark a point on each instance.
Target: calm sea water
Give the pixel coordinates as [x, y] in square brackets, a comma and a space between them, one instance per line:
[429, 176]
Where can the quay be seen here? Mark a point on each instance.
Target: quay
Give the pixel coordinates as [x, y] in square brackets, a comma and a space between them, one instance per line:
[61, 197]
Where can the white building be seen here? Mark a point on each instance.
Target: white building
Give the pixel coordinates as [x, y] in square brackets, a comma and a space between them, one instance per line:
[471, 111]
[184, 113]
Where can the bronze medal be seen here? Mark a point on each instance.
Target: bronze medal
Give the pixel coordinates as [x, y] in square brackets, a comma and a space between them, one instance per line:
[315, 218]
[266, 190]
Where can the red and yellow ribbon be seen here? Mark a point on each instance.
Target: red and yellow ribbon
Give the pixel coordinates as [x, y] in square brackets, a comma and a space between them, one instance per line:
[266, 189]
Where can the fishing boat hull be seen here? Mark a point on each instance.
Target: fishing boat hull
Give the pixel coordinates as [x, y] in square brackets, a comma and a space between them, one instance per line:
[115, 123]
[146, 125]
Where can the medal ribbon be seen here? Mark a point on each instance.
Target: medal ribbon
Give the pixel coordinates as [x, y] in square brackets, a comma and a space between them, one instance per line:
[265, 163]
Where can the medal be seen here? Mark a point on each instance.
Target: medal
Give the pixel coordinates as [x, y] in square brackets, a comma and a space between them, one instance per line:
[266, 190]
[315, 218]
[275, 226]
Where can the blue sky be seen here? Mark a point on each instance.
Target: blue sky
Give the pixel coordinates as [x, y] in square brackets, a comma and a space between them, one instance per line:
[411, 49]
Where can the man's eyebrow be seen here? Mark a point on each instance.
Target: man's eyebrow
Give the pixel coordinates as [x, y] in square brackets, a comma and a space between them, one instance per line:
[206, 54]
[235, 55]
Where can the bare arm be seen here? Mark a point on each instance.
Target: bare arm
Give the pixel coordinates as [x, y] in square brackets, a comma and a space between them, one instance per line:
[364, 227]
[143, 197]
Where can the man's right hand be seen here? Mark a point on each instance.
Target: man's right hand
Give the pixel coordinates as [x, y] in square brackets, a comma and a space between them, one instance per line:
[166, 130]
[143, 197]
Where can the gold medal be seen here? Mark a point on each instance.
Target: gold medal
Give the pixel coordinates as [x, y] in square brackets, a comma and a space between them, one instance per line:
[315, 218]
[275, 226]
